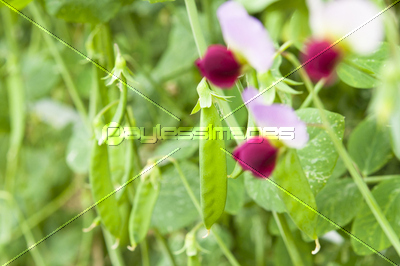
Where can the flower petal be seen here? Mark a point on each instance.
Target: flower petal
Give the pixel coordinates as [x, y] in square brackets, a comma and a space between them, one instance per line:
[256, 155]
[246, 35]
[276, 115]
[338, 18]
[219, 66]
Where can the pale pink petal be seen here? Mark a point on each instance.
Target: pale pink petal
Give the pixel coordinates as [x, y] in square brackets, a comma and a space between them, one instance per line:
[246, 35]
[276, 115]
[338, 18]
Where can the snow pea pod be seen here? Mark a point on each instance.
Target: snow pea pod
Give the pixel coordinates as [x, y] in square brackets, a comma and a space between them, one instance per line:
[213, 172]
[100, 180]
[144, 202]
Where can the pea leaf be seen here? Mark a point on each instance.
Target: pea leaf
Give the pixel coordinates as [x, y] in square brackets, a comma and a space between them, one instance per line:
[235, 196]
[339, 201]
[78, 149]
[264, 193]
[365, 226]
[318, 158]
[394, 131]
[360, 71]
[256, 6]
[289, 175]
[369, 146]
[19, 4]
[84, 11]
[158, 1]
[174, 209]
[299, 27]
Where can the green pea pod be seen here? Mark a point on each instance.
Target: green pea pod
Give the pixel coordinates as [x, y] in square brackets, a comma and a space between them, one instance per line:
[144, 202]
[120, 113]
[100, 180]
[213, 172]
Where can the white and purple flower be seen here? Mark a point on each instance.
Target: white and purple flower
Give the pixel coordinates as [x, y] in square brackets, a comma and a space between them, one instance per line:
[260, 156]
[248, 43]
[332, 21]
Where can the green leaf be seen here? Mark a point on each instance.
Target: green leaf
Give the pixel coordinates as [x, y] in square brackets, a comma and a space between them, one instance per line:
[318, 158]
[299, 29]
[158, 1]
[360, 71]
[78, 150]
[339, 202]
[264, 193]
[174, 208]
[255, 6]
[187, 148]
[365, 226]
[84, 11]
[235, 196]
[297, 195]
[394, 131]
[19, 4]
[369, 146]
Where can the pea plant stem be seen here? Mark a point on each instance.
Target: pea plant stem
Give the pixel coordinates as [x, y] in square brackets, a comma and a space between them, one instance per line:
[26, 230]
[144, 250]
[65, 73]
[164, 247]
[16, 98]
[358, 179]
[196, 203]
[377, 179]
[201, 48]
[309, 98]
[114, 253]
[287, 238]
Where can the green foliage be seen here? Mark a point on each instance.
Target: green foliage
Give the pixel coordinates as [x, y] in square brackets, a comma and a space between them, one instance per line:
[361, 71]
[339, 202]
[367, 229]
[295, 192]
[319, 169]
[369, 146]
[53, 169]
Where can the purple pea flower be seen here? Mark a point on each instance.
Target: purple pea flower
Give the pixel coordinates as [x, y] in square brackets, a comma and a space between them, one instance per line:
[248, 43]
[329, 22]
[276, 115]
[257, 154]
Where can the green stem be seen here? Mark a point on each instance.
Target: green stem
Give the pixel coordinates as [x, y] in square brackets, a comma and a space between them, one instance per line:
[225, 249]
[202, 47]
[145, 253]
[66, 75]
[309, 98]
[358, 179]
[87, 237]
[16, 99]
[114, 253]
[164, 247]
[377, 179]
[196, 203]
[29, 238]
[50, 208]
[207, 6]
[288, 238]
[195, 25]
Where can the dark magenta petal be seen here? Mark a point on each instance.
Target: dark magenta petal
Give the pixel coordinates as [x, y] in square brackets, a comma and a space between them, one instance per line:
[219, 66]
[256, 155]
[319, 63]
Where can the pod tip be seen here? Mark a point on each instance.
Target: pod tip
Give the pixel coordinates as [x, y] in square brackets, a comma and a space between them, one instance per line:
[317, 247]
[208, 233]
